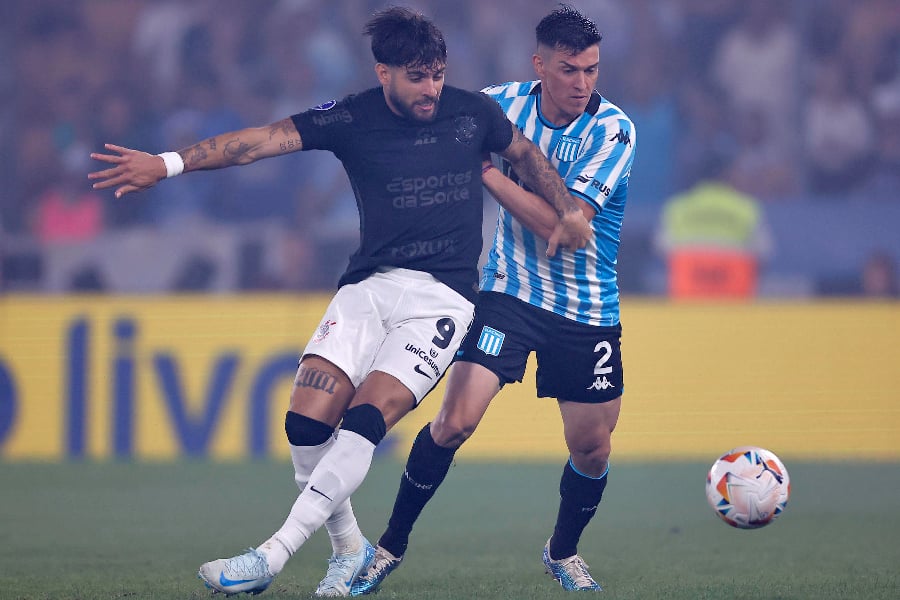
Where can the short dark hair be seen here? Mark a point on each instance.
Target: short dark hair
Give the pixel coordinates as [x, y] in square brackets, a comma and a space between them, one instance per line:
[567, 29]
[402, 37]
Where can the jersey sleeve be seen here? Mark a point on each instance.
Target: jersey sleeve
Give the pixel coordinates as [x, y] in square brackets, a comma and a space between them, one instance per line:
[607, 163]
[499, 135]
[325, 127]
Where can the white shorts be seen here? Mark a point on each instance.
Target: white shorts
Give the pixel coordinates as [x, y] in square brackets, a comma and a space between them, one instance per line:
[401, 322]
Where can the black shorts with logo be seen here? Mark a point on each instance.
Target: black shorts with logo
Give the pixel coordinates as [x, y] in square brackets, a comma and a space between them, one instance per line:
[575, 361]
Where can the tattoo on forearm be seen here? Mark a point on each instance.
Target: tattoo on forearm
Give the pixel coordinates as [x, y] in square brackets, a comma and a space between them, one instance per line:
[235, 150]
[212, 143]
[315, 379]
[290, 145]
[284, 126]
[194, 155]
[545, 180]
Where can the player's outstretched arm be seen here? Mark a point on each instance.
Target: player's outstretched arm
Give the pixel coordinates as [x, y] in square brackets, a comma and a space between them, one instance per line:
[537, 172]
[134, 170]
[529, 209]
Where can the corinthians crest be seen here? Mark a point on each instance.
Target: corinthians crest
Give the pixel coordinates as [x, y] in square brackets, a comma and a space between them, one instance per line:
[465, 129]
[324, 330]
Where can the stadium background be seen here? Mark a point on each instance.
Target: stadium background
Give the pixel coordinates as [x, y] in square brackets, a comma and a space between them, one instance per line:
[166, 325]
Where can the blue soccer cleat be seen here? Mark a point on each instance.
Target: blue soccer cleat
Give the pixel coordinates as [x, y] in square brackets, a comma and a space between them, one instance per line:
[246, 573]
[343, 570]
[381, 565]
[571, 573]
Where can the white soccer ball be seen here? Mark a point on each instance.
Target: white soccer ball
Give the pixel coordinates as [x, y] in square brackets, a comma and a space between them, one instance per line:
[748, 487]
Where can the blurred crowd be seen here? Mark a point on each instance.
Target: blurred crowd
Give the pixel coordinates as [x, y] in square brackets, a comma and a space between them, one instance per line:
[786, 100]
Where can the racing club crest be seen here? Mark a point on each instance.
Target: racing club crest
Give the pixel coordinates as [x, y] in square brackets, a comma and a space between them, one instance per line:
[567, 148]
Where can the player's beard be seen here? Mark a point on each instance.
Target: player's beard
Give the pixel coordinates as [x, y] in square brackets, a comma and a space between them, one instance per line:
[408, 110]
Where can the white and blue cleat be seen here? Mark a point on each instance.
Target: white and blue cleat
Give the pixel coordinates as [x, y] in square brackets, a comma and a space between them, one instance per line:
[381, 565]
[247, 573]
[343, 571]
[571, 573]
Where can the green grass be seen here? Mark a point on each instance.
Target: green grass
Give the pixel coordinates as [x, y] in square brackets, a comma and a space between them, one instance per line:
[131, 531]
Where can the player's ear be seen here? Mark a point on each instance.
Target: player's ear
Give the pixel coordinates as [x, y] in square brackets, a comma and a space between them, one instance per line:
[538, 62]
[383, 73]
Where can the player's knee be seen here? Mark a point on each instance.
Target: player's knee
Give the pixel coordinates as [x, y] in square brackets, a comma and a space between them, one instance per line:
[304, 431]
[367, 421]
[591, 455]
[451, 432]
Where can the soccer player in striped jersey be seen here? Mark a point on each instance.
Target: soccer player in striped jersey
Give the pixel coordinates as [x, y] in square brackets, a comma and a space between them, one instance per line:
[564, 308]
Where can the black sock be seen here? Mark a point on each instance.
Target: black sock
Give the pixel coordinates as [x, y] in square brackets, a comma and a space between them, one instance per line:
[426, 468]
[579, 496]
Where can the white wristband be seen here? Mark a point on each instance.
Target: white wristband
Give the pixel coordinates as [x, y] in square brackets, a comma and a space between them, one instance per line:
[174, 163]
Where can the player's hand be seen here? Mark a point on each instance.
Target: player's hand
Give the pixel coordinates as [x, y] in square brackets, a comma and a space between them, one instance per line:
[572, 232]
[132, 170]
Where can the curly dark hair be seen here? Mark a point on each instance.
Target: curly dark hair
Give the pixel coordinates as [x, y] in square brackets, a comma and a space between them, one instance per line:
[402, 37]
[566, 28]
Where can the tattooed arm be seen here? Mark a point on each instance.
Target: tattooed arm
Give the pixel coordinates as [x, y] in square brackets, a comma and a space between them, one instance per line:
[533, 168]
[242, 147]
[133, 170]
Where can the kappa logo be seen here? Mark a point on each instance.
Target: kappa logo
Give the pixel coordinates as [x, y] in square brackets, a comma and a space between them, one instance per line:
[623, 137]
[601, 383]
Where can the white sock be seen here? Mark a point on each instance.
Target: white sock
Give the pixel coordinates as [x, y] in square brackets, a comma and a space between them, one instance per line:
[343, 529]
[336, 476]
[276, 553]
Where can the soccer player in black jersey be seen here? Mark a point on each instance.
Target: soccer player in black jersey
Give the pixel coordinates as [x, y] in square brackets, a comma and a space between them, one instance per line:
[413, 150]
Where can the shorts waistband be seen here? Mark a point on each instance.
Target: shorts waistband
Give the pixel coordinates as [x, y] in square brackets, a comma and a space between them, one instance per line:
[407, 273]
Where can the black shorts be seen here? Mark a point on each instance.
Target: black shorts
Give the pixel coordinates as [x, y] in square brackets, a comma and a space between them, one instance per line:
[575, 361]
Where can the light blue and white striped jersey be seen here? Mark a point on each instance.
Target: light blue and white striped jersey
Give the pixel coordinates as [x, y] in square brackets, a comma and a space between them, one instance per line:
[593, 155]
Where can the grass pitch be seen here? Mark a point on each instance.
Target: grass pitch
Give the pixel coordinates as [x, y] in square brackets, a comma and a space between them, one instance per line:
[132, 531]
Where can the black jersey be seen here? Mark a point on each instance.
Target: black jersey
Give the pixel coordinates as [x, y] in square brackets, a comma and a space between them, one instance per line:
[417, 184]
